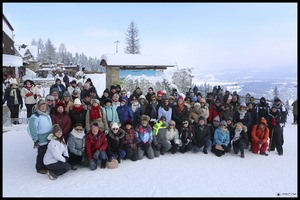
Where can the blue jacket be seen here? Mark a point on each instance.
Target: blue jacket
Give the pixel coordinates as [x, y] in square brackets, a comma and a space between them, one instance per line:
[40, 127]
[220, 138]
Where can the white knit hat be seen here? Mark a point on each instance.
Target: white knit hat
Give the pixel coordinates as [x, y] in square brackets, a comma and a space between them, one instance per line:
[77, 101]
[114, 125]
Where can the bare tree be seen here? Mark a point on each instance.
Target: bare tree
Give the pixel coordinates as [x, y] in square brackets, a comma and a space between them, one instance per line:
[132, 40]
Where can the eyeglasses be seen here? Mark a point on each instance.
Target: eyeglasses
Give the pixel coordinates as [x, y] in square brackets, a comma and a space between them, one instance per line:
[184, 123]
[159, 96]
[172, 124]
[49, 100]
[115, 129]
[216, 121]
[78, 129]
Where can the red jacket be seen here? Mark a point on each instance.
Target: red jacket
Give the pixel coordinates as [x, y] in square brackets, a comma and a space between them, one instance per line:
[92, 144]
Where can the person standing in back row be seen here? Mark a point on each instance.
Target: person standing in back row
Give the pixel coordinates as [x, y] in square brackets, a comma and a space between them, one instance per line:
[39, 128]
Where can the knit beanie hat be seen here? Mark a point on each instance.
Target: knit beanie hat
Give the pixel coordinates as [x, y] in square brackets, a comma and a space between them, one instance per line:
[56, 128]
[40, 102]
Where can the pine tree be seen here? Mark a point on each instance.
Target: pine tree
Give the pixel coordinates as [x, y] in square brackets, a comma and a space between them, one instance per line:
[132, 40]
[276, 92]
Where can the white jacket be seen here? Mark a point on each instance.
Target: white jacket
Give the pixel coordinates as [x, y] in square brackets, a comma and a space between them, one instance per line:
[55, 151]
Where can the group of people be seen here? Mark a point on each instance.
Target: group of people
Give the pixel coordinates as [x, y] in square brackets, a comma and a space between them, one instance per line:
[74, 126]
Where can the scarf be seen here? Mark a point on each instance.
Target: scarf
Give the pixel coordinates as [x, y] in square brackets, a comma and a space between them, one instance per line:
[181, 107]
[13, 93]
[237, 134]
[242, 113]
[77, 135]
[78, 109]
[95, 113]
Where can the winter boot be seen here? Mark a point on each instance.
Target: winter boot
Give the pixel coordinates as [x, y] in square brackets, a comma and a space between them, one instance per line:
[263, 153]
[242, 154]
[103, 163]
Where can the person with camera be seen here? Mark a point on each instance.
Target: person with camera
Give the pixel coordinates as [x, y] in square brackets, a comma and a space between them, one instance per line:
[30, 93]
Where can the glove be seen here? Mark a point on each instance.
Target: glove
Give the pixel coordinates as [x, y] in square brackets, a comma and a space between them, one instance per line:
[96, 155]
[92, 165]
[281, 125]
[28, 94]
[35, 96]
[36, 144]
[259, 141]
[21, 106]
[67, 158]
[109, 159]
[152, 120]
[157, 147]
[106, 132]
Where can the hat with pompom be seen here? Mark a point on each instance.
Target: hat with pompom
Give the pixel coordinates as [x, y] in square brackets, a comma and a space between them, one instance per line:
[56, 128]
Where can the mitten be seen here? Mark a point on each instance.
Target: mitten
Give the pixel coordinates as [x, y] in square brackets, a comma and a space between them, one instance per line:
[259, 141]
[28, 94]
[92, 165]
[36, 144]
[96, 155]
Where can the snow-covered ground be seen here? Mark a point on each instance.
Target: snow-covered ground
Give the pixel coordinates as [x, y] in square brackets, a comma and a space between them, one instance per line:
[179, 175]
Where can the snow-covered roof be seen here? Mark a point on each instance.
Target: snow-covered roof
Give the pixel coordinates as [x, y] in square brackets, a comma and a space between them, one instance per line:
[33, 49]
[135, 60]
[11, 60]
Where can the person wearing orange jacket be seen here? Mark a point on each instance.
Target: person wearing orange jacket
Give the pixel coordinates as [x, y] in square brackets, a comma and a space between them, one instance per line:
[260, 136]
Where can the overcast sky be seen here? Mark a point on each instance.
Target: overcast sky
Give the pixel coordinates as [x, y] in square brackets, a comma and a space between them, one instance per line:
[205, 36]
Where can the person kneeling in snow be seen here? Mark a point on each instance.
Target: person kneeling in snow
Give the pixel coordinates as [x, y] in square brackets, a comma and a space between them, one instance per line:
[115, 139]
[95, 147]
[56, 157]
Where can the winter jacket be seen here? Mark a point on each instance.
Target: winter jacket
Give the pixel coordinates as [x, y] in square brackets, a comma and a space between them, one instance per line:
[76, 142]
[260, 133]
[94, 143]
[64, 122]
[29, 99]
[220, 137]
[56, 150]
[115, 142]
[201, 134]
[40, 126]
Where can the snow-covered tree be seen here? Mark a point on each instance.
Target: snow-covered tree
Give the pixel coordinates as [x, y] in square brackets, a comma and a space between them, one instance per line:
[276, 92]
[62, 54]
[41, 49]
[132, 39]
[33, 42]
[183, 79]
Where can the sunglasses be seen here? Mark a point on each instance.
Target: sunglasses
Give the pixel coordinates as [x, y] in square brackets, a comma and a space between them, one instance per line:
[115, 129]
[78, 129]
[49, 100]
[159, 96]
[172, 124]
[184, 123]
